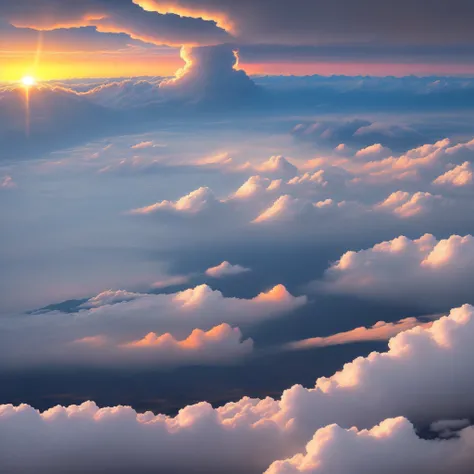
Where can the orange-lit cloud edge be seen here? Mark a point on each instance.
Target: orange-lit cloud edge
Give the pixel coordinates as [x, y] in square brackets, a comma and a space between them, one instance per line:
[131, 62]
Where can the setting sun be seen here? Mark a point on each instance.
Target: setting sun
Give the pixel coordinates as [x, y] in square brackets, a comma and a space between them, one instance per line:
[28, 81]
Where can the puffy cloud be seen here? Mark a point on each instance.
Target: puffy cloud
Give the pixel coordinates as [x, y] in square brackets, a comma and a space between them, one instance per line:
[461, 175]
[371, 151]
[221, 344]
[425, 271]
[309, 214]
[278, 167]
[380, 331]
[406, 205]
[112, 320]
[211, 77]
[226, 269]
[429, 364]
[200, 200]
[391, 447]
[285, 208]
[255, 185]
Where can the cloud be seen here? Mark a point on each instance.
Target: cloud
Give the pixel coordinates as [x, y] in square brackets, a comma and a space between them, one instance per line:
[283, 22]
[142, 145]
[391, 447]
[171, 281]
[220, 345]
[120, 16]
[112, 320]
[211, 77]
[380, 331]
[200, 200]
[286, 208]
[7, 183]
[461, 175]
[430, 364]
[449, 428]
[316, 203]
[371, 151]
[360, 132]
[226, 269]
[57, 118]
[407, 205]
[426, 271]
[277, 167]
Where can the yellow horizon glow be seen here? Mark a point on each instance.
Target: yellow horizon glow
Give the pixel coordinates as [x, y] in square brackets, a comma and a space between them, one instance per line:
[62, 67]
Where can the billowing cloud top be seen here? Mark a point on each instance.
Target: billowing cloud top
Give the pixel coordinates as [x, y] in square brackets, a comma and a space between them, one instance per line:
[252, 434]
[122, 328]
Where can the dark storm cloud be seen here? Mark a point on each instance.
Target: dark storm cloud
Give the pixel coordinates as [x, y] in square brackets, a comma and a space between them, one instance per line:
[120, 16]
[333, 21]
[369, 53]
[72, 39]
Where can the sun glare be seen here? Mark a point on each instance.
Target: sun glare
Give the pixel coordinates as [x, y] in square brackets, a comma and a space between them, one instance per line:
[28, 81]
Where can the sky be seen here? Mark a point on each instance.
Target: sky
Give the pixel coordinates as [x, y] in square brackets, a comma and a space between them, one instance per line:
[236, 236]
[122, 38]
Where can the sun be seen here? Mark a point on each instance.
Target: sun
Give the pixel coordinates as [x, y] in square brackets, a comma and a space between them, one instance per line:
[28, 81]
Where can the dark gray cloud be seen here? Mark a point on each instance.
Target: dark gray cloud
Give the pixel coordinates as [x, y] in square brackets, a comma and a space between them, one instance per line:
[113, 16]
[334, 21]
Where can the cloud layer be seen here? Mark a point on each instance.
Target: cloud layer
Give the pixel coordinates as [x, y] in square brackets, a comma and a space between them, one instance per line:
[119, 328]
[432, 364]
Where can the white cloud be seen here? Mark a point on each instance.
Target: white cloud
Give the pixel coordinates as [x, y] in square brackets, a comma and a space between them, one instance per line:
[373, 151]
[392, 447]
[406, 205]
[461, 175]
[210, 75]
[226, 269]
[429, 364]
[255, 185]
[113, 319]
[425, 270]
[277, 167]
[196, 201]
[285, 208]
